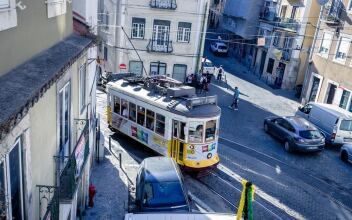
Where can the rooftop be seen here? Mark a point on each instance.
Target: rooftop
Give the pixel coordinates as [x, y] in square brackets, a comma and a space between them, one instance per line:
[22, 87]
[160, 169]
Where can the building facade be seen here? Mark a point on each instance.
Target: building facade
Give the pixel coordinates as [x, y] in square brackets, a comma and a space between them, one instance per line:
[47, 119]
[329, 76]
[153, 37]
[216, 10]
[240, 21]
[284, 24]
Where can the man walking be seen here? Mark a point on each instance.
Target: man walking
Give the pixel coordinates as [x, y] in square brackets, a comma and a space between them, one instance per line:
[220, 72]
[236, 96]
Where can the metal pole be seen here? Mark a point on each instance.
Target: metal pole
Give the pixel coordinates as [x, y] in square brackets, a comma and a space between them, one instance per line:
[120, 159]
[110, 143]
[310, 57]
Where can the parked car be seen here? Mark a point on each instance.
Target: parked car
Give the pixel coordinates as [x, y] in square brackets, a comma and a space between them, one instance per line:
[334, 122]
[219, 48]
[208, 66]
[346, 153]
[159, 186]
[297, 133]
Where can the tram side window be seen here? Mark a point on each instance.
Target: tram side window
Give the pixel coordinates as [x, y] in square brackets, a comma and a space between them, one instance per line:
[117, 105]
[124, 108]
[140, 115]
[133, 112]
[150, 120]
[196, 132]
[182, 130]
[160, 124]
[210, 130]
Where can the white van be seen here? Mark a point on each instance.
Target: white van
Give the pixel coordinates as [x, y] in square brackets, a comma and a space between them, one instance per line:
[335, 123]
[208, 66]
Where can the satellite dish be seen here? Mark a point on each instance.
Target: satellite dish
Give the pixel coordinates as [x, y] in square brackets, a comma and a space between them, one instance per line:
[322, 2]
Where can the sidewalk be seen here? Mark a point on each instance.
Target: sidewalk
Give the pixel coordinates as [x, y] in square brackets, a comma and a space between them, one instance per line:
[110, 201]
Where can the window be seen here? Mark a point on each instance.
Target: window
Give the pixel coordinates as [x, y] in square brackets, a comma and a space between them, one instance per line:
[138, 28]
[4, 4]
[105, 53]
[160, 124]
[349, 7]
[270, 67]
[82, 87]
[210, 130]
[344, 99]
[277, 36]
[310, 134]
[132, 108]
[117, 105]
[314, 90]
[56, 7]
[140, 115]
[106, 21]
[346, 125]
[150, 120]
[293, 12]
[325, 44]
[8, 14]
[179, 72]
[157, 68]
[350, 108]
[182, 130]
[342, 49]
[11, 184]
[184, 32]
[196, 132]
[124, 108]
[283, 11]
[64, 119]
[136, 67]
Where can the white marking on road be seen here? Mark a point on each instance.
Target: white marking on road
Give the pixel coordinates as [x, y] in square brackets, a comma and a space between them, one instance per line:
[200, 202]
[275, 202]
[278, 169]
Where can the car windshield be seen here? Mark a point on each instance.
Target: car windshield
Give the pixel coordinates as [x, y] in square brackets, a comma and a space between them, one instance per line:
[163, 194]
[222, 47]
[346, 125]
[208, 64]
[310, 134]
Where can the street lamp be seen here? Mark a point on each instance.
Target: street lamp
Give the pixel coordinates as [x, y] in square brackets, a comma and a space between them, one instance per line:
[307, 77]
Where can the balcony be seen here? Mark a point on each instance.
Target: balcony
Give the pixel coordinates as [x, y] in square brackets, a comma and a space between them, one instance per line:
[69, 169]
[332, 12]
[267, 14]
[160, 46]
[287, 23]
[163, 4]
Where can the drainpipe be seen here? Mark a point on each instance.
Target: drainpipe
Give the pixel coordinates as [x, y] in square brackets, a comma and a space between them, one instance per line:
[202, 40]
[309, 67]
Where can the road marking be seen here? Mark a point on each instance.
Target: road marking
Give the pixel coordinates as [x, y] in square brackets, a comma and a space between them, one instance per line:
[200, 202]
[275, 202]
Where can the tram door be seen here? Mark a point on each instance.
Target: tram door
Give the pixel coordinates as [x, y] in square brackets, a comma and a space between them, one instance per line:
[178, 141]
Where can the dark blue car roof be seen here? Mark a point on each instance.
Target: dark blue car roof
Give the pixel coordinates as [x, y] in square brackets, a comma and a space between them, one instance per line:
[160, 169]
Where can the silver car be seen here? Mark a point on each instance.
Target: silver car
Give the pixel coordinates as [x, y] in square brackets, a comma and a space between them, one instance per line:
[346, 153]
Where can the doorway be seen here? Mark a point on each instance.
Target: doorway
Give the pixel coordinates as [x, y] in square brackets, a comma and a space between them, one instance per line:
[262, 62]
[280, 71]
[314, 89]
[179, 72]
[178, 140]
[330, 95]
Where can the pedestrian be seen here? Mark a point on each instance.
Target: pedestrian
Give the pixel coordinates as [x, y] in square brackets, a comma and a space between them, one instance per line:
[220, 72]
[204, 84]
[208, 77]
[189, 79]
[236, 96]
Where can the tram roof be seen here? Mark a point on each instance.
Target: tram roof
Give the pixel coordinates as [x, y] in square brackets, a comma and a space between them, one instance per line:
[175, 105]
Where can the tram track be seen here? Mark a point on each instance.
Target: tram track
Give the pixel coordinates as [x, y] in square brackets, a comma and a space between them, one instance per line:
[320, 185]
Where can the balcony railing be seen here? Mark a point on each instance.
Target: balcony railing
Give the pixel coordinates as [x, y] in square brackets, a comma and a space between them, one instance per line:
[163, 4]
[332, 11]
[69, 169]
[160, 46]
[287, 23]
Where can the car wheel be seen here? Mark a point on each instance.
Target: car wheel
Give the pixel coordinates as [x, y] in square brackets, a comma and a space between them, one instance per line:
[344, 156]
[266, 128]
[287, 146]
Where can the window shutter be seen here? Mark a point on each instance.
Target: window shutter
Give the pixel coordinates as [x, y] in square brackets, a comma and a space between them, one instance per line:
[327, 40]
[4, 3]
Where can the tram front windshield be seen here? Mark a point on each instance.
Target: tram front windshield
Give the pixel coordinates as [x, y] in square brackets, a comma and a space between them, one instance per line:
[201, 131]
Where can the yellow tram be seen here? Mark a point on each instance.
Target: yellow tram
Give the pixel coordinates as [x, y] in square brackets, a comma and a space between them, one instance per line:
[167, 117]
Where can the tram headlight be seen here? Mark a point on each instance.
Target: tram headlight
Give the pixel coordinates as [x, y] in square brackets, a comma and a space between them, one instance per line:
[209, 155]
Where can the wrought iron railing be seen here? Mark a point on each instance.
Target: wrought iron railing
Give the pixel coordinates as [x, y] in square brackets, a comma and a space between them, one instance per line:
[70, 175]
[287, 23]
[163, 4]
[332, 11]
[160, 46]
[49, 205]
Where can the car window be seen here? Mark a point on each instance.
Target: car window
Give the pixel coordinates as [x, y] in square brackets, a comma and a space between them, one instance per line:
[310, 134]
[163, 194]
[208, 64]
[346, 125]
[286, 125]
[222, 47]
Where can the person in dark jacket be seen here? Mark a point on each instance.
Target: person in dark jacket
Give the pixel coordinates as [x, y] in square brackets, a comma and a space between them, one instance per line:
[236, 96]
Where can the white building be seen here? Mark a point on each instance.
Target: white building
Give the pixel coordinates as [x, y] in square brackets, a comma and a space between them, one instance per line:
[153, 37]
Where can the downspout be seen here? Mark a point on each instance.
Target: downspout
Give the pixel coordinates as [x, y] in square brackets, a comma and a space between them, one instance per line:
[202, 40]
